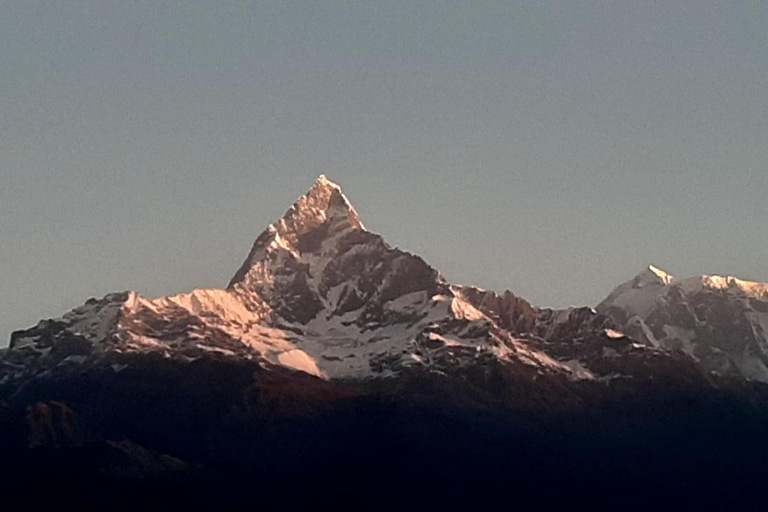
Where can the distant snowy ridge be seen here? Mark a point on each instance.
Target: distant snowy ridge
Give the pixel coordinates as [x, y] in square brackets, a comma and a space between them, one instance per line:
[721, 321]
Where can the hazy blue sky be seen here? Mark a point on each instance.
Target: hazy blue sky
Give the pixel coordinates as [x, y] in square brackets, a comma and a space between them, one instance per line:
[553, 148]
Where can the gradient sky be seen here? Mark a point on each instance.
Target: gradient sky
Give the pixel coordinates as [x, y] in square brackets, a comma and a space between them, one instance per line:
[552, 148]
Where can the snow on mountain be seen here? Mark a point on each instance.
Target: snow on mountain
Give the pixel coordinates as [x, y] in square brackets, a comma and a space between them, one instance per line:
[722, 321]
[317, 293]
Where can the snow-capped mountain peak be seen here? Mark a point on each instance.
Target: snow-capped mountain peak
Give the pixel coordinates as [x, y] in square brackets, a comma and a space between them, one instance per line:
[665, 277]
[639, 293]
[323, 212]
[722, 321]
[651, 276]
[318, 293]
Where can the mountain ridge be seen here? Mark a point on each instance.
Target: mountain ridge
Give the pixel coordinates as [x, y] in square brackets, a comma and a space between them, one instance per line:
[320, 293]
[722, 321]
[338, 370]
[317, 293]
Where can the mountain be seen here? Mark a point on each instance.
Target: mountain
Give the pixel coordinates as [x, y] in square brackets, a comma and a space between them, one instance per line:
[317, 293]
[336, 370]
[720, 321]
[321, 294]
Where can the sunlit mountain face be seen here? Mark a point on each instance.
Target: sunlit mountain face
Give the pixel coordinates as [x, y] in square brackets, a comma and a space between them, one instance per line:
[336, 370]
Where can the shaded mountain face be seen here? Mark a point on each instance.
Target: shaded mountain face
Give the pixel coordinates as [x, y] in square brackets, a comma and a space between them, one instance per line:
[720, 321]
[225, 433]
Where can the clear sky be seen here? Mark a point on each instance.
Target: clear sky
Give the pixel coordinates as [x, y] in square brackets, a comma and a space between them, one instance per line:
[552, 148]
